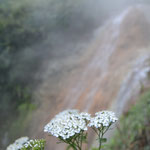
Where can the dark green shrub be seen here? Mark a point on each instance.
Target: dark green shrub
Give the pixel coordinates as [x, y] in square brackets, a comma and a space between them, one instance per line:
[134, 130]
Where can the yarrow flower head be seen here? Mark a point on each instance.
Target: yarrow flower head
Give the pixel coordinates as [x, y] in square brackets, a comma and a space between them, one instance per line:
[69, 126]
[18, 144]
[66, 124]
[34, 144]
[103, 118]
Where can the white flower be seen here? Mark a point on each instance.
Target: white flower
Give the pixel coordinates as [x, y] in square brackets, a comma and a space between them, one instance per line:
[103, 118]
[85, 116]
[18, 144]
[66, 124]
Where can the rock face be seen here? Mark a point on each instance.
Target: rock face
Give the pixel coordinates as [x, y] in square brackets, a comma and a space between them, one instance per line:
[108, 75]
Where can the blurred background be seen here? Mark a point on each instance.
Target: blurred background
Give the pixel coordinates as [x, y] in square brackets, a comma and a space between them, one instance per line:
[59, 54]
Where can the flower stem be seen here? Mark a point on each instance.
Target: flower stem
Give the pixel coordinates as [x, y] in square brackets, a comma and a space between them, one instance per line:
[100, 138]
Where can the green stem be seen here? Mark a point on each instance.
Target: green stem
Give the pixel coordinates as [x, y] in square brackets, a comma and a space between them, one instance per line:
[81, 139]
[73, 145]
[100, 138]
[78, 142]
[95, 131]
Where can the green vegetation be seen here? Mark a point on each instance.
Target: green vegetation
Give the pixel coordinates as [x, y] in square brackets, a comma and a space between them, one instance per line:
[18, 127]
[16, 34]
[133, 132]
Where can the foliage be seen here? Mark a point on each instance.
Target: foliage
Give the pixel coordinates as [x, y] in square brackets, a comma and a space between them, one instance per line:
[134, 130]
[16, 33]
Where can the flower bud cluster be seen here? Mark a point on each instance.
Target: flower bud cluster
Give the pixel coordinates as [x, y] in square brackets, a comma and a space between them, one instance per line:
[18, 144]
[103, 118]
[36, 144]
[67, 123]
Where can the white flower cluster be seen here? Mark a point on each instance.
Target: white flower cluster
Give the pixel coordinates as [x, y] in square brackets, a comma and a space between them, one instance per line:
[34, 144]
[103, 118]
[18, 144]
[67, 123]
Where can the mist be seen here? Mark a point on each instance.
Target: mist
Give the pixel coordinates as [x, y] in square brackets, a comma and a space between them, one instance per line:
[65, 27]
